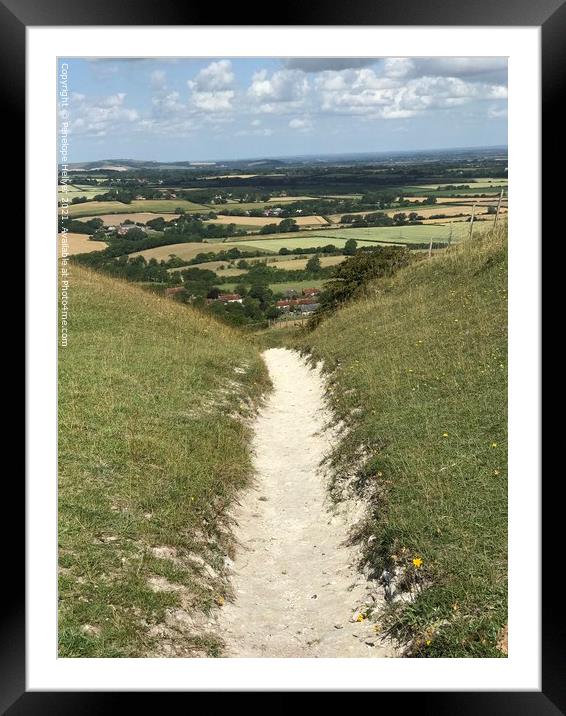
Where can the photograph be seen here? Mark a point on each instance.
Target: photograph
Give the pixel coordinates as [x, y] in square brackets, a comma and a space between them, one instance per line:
[282, 365]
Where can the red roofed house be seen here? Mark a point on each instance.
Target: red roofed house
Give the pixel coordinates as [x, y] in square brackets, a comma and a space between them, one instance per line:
[229, 298]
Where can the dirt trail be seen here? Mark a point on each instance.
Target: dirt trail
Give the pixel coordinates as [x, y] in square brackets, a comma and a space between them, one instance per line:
[297, 591]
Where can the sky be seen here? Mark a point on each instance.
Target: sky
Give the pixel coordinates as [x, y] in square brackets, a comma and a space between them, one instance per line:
[235, 108]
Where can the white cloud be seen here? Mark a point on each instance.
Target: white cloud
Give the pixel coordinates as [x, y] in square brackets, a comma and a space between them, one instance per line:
[217, 76]
[213, 101]
[302, 124]
[212, 88]
[283, 91]
[393, 96]
[101, 116]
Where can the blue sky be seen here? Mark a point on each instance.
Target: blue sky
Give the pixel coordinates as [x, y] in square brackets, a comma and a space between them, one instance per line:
[230, 108]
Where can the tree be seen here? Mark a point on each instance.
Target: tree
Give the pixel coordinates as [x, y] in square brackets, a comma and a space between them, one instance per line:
[135, 234]
[350, 247]
[351, 276]
[214, 292]
[313, 264]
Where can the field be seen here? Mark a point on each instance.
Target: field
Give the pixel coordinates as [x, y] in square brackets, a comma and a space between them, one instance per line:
[281, 287]
[151, 451]
[74, 190]
[419, 368]
[309, 241]
[453, 209]
[142, 217]
[476, 184]
[300, 262]
[96, 208]
[188, 251]
[259, 221]
[80, 244]
[404, 234]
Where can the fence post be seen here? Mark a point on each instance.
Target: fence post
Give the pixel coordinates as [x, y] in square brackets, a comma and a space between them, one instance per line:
[498, 208]
[430, 248]
[472, 220]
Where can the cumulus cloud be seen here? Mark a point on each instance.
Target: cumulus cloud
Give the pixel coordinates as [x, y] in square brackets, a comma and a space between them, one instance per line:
[212, 87]
[217, 76]
[98, 116]
[396, 94]
[283, 89]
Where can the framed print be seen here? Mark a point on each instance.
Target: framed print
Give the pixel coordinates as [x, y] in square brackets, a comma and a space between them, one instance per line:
[283, 354]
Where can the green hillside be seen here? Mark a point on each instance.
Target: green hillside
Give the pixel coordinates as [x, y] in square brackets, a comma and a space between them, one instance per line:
[419, 375]
[152, 448]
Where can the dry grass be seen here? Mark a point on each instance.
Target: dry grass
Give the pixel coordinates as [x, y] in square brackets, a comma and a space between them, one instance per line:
[140, 216]
[260, 221]
[187, 251]
[80, 244]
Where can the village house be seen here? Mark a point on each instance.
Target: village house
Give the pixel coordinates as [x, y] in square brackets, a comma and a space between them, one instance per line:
[300, 305]
[311, 291]
[226, 298]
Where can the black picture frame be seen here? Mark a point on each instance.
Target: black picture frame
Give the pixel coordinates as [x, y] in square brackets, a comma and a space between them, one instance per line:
[550, 16]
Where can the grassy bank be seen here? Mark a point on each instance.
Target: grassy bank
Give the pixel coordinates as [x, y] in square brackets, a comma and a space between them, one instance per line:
[420, 377]
[152, 447]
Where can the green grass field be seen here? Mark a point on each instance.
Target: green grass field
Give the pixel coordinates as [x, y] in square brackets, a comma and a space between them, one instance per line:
[151, 451]
[280, 287]
[79, 191]
[94, 208]
[405, 234]
[419, 374]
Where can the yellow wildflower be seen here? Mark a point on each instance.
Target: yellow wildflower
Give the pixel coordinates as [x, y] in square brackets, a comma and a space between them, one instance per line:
[417, 562]
[493, 445]
[360, 618]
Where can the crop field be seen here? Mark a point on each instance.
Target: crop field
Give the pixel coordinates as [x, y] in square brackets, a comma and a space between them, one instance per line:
[215, 266]
[480, 200]
[142, 217]
[371, 235]
[450, 209]
[404, 234]
[256, 222]
[294, 242]
[80, 244]
[300, 263]
[77, 191]
[276, 201]
[281, 287]
[477, 184]
[96, 208]
[188, 251]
